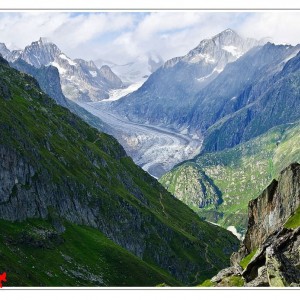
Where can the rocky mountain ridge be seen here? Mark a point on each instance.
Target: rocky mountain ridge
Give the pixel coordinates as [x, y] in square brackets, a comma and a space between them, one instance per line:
[168, 94]
[254, 94]
[221, 108]
[80, 80]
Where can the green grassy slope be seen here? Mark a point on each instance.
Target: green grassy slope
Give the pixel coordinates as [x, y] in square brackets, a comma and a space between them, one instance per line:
[33, 254]
[240, 173]
[294, 221]
[60, 164]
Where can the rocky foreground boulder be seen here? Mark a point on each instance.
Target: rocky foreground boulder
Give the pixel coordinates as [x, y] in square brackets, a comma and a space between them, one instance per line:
[270, 253]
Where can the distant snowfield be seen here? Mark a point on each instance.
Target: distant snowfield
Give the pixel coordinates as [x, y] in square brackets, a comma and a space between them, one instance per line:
[119, 93]
[157, 150]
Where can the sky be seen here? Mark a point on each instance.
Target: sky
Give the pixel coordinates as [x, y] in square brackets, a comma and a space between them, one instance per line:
[122, 36]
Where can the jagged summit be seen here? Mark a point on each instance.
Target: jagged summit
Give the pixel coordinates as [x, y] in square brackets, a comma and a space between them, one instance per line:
[226, 46]
[44, 40]
[40, 53]
[225, 36]
[227, 32]
[222, 48]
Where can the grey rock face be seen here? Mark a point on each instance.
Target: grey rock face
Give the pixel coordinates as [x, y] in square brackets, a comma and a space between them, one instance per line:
[40, 53]
[226, 273]
[111, 77]
[261, 279]
[277, 261]
[271, 210]
[5, 52]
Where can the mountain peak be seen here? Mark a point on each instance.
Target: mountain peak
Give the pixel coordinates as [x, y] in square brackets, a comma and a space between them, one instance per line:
[228, 36]
[4, 50]
[43, 43]
[228, 31]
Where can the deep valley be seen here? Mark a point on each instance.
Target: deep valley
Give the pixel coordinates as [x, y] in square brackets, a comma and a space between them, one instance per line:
[146, 171]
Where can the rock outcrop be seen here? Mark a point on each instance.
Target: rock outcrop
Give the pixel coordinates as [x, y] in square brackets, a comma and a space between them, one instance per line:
[273, 207]
[270, 251]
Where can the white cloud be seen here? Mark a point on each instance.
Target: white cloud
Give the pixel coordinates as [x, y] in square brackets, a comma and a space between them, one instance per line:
[121, 36]
[283, 27]
[70, 32]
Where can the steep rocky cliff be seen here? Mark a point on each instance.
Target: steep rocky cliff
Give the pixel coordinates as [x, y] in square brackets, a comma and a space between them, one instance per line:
[56, 168]
[269, 254]
[273, 207]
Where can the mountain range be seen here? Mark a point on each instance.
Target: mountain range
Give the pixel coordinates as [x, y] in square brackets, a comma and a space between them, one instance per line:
[243, 115]
[231, 101]
[168, 95]
[80, 80]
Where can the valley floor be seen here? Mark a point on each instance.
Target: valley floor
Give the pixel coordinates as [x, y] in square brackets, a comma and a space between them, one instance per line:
[154, 148]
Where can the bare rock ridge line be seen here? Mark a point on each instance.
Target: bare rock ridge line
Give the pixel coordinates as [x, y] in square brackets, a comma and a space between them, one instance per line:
[271, 245]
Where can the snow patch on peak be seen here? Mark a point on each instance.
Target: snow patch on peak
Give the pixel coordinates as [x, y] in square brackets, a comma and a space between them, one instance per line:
[58, 67]
[93, 73]
[233, 50]
[71, 62]
[215, 70]
[199, 57]
[218, 70]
